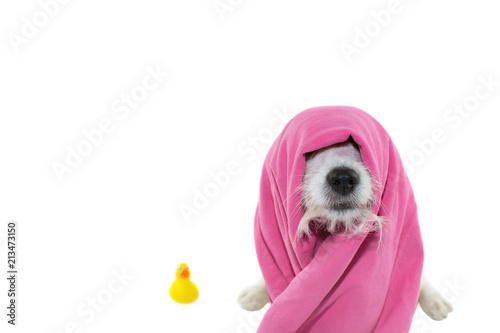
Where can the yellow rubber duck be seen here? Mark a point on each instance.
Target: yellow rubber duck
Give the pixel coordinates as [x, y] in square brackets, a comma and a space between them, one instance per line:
[183, 290]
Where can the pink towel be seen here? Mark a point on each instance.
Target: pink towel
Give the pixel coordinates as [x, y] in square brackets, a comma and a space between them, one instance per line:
[337, 283]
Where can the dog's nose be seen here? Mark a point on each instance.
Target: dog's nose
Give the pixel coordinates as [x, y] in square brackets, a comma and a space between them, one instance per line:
[342, 180]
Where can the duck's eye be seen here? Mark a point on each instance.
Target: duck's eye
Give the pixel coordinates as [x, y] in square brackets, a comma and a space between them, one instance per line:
[180, 267]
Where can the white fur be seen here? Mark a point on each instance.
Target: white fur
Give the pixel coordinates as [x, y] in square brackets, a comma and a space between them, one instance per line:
[317, 195]
[317, 207]
[432, 302]
[254, 297]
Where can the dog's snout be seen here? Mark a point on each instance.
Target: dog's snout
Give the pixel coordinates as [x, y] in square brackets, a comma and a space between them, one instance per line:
[342, 180]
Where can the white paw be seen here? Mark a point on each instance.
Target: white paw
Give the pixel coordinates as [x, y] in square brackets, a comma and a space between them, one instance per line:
[253, 298]
[435, 305]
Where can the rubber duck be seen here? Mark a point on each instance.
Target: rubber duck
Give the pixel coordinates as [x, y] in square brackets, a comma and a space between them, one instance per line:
[183, 290]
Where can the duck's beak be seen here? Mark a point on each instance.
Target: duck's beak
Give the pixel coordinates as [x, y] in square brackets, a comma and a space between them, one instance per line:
[184, 273]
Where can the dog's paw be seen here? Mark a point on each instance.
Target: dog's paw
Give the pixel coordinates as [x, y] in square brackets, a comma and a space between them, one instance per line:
[253, 298]
[435, 305]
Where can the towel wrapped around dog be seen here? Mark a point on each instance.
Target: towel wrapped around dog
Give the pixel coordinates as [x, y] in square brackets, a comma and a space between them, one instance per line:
[361, 283]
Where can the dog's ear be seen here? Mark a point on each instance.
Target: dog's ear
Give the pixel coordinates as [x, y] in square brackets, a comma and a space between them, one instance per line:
[351, 140]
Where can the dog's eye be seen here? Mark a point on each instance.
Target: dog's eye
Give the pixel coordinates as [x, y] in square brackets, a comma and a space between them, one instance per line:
[309, 155]
[351, 140]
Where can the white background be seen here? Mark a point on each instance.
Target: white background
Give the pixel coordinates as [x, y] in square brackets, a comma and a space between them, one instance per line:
[119, 209]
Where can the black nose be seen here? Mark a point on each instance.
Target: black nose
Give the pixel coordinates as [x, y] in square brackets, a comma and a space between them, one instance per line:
[342, 180]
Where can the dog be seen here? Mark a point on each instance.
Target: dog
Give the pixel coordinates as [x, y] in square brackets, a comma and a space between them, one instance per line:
[337, 196]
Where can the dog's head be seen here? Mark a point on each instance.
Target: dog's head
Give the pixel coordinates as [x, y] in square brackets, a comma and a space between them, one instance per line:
[337, 191]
